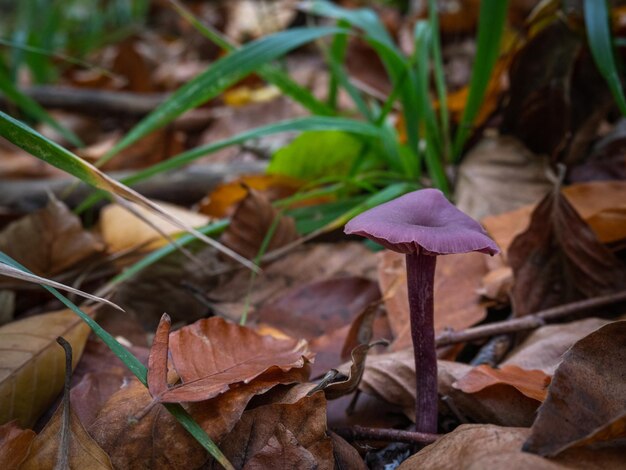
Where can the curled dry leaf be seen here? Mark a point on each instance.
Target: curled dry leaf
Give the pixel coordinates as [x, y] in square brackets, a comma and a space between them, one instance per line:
[83, 451]
[558, 259]
[14, 444]
[457, 304]
[481, 446]
[350, 383]
[213, 354]
[49, 240]
[282, 451]
[32, 363]
[305, 419]
[586, 398]
[532, 383]
[253, 219]
[121, 229]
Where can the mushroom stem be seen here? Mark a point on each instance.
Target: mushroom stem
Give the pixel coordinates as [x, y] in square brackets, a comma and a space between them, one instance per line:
[420, 270]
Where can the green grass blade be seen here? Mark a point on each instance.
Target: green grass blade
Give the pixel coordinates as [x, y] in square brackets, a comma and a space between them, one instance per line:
[599, 36]
[434, 155]
[269, 73]
[135, 366]
[32, 108]
[440, 82]
[50, 152]
[218, 77]
[491, 20]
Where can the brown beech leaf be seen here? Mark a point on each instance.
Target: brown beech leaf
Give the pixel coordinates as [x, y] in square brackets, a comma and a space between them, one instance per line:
[282, 451]
[14, 444]
[558, 259]
[457, 304]
[213, 354]
[31, 363]
[586, 397]
[138, 434]
[346, 456]
[391, 376]
[485, 446]
[532, 383]
[49, 240]
[310, 310]
[543, 348]
[252, 220]
[599, 203]
[83, 451]
[305, 419]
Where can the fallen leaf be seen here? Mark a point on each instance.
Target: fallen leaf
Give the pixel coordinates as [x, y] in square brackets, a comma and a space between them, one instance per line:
[391, 376]
[596, 202]
[532, 383]
[251, 222]
[213, 354]
[14, 444]
[305, 419]
[346, 456]
[586, 397]
[479, 446]
[122, 229]
[49, 240]
[248, 19]
[156, 440]
[559, 260]
[457, 304]
[544, 347]
[312, 309]
[32, 363]
[350, 383]
[83, 451]
[282, 451]
[499, 175]
[222, 201]
[308, 263]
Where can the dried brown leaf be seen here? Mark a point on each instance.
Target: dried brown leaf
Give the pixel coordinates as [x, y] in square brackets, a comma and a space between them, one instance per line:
[305, 419]
[558, 259]
[480, 446]
[49, 240]
[213, 354]
[312, 309]
[14, 444]
[252, 220]
[156, 440]
[83, 451]
[282, 451]
[532, 383]
[457, 304]
[346, 456]
[586, 397]
[31, 363]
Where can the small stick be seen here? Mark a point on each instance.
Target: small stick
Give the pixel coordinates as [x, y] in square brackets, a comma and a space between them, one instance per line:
[528, 322]
[361, 433]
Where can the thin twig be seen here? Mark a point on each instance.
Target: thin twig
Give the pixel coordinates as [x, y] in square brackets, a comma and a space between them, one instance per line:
[360, 433]
[528, 322]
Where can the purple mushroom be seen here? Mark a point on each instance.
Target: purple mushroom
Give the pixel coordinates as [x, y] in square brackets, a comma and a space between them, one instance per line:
[422, 225]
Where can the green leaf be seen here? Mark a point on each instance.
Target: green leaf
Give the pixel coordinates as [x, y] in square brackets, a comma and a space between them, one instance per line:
[599, 36]
[133, 364]
[219, 76]
[50, 152]
[491, 20]
[317, 154]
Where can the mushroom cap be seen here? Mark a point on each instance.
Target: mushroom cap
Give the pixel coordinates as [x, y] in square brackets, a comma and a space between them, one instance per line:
[425, 221]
